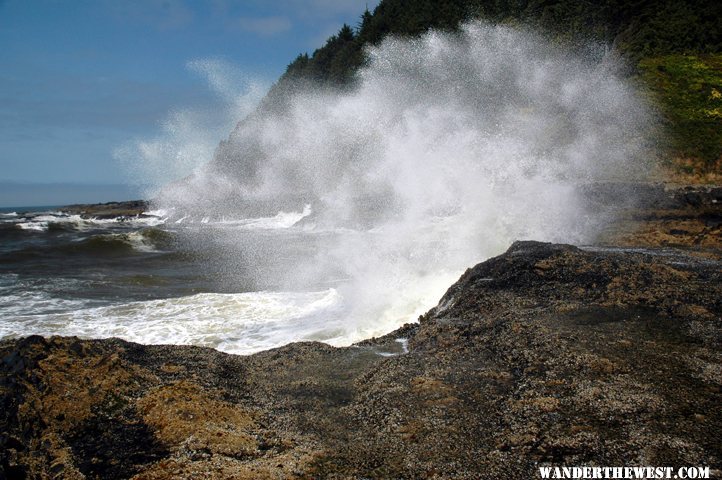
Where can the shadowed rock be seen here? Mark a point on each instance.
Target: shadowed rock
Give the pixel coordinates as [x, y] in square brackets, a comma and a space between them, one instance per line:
[546, 355]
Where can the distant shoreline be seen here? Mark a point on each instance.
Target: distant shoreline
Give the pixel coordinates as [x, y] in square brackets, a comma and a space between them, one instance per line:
[108, 209]
[25, 196]
[97, 210]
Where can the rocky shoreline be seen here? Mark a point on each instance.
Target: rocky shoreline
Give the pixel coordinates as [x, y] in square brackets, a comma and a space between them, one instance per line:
[130, 208]
[546, 355]
[659, 215]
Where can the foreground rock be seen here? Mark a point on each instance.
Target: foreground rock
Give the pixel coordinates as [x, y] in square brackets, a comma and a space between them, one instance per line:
[546, 355]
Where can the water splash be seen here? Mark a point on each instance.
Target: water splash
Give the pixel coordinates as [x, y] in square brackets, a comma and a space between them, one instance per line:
[189, 136]
[448, 148]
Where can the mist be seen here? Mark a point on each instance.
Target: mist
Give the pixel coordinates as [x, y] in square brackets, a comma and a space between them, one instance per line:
[445, 150]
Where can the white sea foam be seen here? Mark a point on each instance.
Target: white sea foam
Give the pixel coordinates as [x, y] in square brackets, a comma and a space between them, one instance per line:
[42, 223]
[159, 213]
[138, 241]
[234, 323]
[448, 148]
[37, 297]
[35, 302]
[34, 226]
[280, 220]
[135, 221]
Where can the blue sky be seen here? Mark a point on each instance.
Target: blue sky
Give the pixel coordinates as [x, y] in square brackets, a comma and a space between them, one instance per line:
[81, 79]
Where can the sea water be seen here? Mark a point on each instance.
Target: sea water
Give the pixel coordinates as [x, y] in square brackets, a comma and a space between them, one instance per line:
[337, 215]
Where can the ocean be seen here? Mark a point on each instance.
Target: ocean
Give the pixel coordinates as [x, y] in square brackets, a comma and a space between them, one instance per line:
[336, 216]
[160, 278]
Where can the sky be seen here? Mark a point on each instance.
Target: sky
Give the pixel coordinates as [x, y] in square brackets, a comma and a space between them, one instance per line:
[90, 89]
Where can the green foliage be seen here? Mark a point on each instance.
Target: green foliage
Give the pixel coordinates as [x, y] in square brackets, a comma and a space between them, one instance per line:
[334, 63]
[637, 28]
[689, 90]
[654, 34]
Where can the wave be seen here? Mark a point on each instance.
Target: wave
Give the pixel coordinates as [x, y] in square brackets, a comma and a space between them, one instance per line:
[148, 240]
[119, 243]
[281, 220]
[20, 294]
[36, 303]
[159, 213]
[239, 323]
[447, 148]
[58, 221]
[33, 226]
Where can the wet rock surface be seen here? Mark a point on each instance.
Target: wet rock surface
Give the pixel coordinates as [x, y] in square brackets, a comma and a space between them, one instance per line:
[546, 355]
[659, 215]
[549, 354]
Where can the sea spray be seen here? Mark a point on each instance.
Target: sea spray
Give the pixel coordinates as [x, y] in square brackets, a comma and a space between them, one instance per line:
[190, 134]
[446, 149]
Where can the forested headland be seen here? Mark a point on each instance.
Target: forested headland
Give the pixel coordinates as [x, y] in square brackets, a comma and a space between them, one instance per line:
[671, 47]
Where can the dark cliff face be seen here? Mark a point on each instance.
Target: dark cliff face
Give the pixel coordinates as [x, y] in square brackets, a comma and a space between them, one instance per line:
[546, 355]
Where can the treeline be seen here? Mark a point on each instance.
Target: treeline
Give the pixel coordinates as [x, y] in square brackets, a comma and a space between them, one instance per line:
[641, 28]
[673, 46]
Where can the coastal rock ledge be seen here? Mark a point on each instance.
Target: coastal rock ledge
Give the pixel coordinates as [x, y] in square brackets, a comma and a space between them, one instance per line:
[546, 355]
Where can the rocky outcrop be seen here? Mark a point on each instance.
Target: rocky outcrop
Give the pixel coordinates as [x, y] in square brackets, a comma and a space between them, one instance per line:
[545, 355]
[659, 215]
[131, 208]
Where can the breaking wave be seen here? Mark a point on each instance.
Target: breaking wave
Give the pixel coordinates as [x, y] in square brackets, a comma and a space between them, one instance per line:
[339, 215]
[235, 323]
[447, 148]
